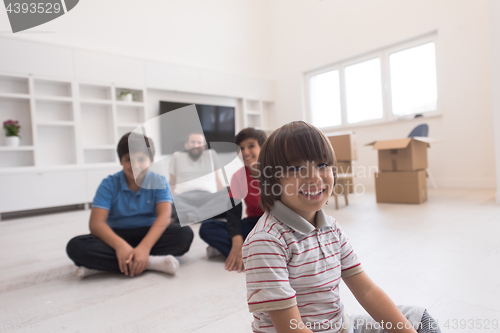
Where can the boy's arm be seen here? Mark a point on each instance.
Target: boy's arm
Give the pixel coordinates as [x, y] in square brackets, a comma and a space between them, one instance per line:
[288, 320]
[138, 259]
[99, 228]
[376, 302]
[234, 260]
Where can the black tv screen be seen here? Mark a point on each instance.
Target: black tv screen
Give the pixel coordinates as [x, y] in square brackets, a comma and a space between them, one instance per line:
[217, 122]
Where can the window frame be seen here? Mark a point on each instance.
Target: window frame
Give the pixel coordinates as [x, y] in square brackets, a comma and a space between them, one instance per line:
[309, 116]
[383, 54]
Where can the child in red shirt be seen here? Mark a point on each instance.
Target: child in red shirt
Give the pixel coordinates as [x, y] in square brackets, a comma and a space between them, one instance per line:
[226, 238]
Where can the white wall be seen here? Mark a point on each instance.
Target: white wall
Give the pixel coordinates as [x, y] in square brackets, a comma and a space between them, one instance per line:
[221, 35]
[495, 59]
[310, 34]
[62, 62]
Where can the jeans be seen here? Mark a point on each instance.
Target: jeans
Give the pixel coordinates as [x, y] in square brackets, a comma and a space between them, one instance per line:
[215, 233]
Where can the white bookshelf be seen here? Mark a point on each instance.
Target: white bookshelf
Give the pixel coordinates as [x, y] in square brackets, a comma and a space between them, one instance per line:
[17, 109]
[97, 124]
[137, 93]
[65, 124]
[10, 158]
[99, 155]
[53, 114]
[54, 111]
[55, 145]
[106, 118]
[48, 89]
[56, 123]
[95, 92]
[256, 113]
[129, 114]
[15, 105]
[267, 113]
[15, 85]
[20, 148]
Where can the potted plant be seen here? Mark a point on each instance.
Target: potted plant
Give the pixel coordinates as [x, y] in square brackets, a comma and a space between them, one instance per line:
[126, 96]
[12, 128]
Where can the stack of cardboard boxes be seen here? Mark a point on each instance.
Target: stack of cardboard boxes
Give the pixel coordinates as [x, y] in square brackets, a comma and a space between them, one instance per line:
[402, 167]
[344, 145]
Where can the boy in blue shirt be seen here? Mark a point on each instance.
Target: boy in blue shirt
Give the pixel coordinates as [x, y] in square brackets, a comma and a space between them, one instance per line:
[130, 226]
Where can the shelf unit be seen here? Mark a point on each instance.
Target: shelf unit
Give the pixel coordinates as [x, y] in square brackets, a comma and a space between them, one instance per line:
[15, 85]
[65, 124]
[257, 113]
[50, 89]
[53, 113]
[16, 156]
[15, 103]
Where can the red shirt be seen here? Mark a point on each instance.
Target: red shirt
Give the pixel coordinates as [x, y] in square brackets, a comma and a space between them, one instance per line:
[244, 186]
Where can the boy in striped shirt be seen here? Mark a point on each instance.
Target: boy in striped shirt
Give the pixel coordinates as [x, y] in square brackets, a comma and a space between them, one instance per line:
[296, 255]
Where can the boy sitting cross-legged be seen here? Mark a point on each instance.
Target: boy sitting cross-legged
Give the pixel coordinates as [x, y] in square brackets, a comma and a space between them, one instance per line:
[130, 225]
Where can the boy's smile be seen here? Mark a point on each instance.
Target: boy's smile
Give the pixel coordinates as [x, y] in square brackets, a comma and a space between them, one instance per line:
[313, 193]
[250, 150]
[307, 188]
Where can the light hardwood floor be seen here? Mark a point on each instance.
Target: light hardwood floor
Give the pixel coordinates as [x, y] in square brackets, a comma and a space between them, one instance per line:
[443, 255]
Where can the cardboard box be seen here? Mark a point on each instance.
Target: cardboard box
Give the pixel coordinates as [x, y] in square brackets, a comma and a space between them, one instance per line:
[344, 146]
[408, 154]
[401, 187]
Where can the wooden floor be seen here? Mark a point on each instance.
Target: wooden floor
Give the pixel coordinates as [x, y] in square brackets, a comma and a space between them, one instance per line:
[443, 255]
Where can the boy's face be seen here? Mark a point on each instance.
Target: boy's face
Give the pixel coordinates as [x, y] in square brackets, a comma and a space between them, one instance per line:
[250, 150]
[135, 163]
[306, 188]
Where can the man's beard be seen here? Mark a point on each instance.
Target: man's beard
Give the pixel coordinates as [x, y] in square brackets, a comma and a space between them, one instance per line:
[195, 153]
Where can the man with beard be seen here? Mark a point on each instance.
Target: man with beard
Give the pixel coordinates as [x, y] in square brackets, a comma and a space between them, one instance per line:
[193, 181]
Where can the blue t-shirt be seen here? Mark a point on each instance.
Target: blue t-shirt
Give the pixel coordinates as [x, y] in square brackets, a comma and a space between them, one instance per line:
[128, 209]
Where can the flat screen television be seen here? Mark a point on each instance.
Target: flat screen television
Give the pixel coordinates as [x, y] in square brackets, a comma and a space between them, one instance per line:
[217, 122]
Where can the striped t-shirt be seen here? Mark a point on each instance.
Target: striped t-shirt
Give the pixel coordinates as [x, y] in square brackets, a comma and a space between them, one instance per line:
[289, 262]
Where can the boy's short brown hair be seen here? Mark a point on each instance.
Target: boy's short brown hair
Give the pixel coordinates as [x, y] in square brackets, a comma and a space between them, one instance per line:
[252, 133]
[137, 142]
[291, 143]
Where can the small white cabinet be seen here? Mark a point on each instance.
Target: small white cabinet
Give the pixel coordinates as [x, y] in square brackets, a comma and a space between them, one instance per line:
[41, 190]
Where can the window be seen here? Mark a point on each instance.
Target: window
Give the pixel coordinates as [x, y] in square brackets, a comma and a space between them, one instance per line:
[363, 86]
[325, 99]
[413, 80]
[389, 84]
